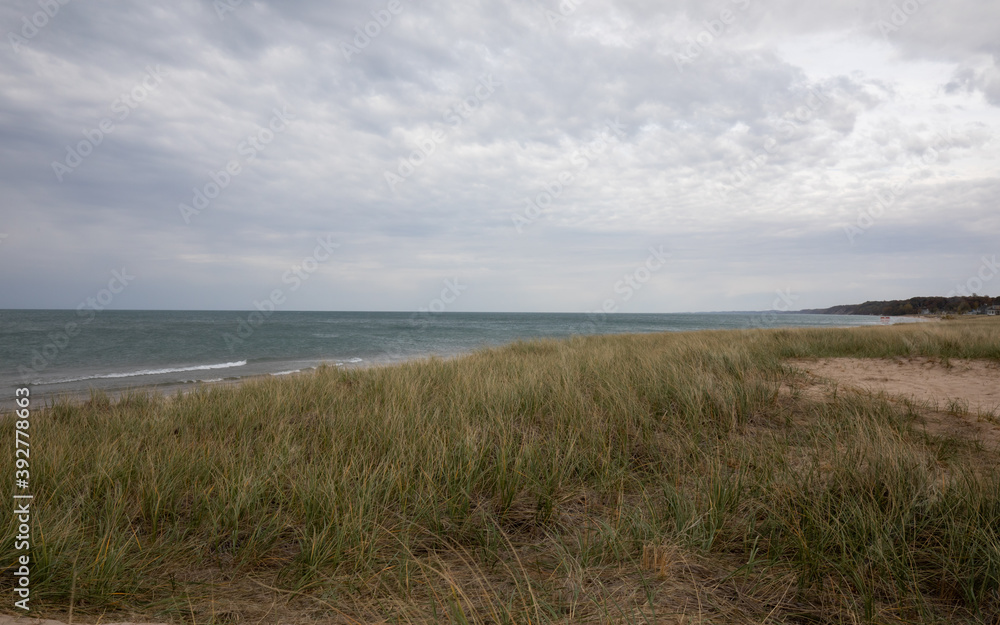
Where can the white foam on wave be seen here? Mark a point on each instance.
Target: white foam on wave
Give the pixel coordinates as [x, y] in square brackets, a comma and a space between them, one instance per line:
[141, 372]
[287, 372]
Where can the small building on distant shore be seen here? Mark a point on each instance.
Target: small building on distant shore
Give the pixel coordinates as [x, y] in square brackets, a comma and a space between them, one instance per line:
[992, 310]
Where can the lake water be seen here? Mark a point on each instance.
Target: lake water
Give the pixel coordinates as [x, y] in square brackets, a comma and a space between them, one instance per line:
[60, 351]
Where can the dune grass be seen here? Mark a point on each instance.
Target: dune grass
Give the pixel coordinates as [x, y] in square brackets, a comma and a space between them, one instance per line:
[636, 479]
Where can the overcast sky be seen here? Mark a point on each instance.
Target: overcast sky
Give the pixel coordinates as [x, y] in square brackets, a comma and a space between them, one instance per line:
[532, 150]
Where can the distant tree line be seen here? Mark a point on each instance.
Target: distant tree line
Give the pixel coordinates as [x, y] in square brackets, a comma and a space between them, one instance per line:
[913, 306]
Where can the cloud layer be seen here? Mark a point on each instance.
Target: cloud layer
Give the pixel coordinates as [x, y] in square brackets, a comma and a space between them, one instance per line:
[533, 150]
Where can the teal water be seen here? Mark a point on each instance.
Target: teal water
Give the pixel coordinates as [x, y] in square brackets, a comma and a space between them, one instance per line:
[72, 352]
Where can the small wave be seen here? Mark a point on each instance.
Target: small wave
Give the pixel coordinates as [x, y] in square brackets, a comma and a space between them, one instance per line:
[327, 335]
[287, 372]
[132, 374]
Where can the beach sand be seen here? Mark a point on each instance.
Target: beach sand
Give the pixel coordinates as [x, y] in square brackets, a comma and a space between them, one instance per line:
[956, 397]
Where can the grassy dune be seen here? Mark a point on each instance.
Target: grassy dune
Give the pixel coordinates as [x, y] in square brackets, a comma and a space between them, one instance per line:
[638, 479]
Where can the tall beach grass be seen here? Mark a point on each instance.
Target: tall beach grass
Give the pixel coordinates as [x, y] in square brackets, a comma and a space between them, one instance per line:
[636, 478]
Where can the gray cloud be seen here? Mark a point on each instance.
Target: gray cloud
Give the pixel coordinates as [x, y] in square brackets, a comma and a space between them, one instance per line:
[749, 161]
